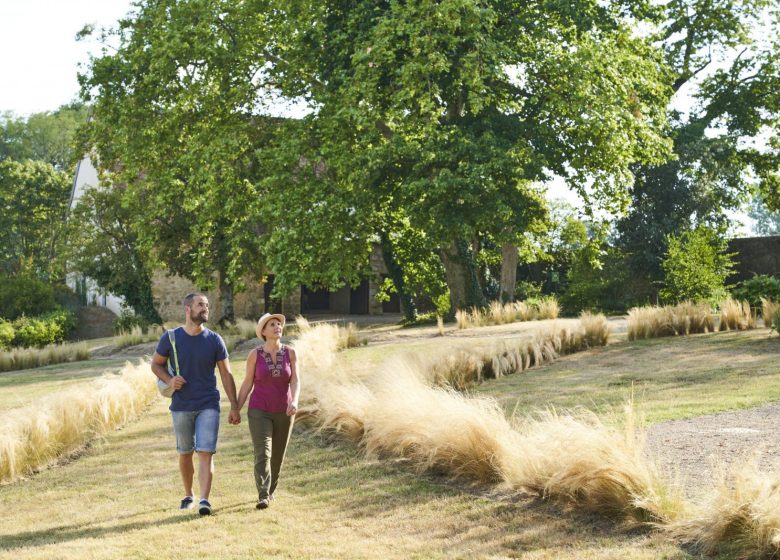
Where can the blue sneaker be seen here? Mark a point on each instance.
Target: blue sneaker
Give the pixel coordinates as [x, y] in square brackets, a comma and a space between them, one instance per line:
[204, 508]
[187, 503]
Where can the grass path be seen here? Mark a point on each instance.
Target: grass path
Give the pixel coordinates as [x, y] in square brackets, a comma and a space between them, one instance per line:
[118, 501]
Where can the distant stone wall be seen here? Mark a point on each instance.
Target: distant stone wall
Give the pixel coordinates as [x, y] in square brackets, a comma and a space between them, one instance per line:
[755, 255]
[168, 292]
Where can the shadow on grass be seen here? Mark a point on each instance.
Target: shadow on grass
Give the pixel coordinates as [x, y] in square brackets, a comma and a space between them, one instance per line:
[65, 533]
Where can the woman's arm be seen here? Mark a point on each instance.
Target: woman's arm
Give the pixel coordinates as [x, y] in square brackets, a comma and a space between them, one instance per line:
[249, 378]
[295, 383]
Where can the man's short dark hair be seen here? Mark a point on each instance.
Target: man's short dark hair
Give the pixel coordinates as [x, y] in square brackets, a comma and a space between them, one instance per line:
[191, 296]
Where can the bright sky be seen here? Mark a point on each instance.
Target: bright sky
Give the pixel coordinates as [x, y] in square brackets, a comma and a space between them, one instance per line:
[40, 55]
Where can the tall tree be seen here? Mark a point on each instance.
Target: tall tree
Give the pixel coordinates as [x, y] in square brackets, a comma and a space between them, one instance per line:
[48, 136]
[33, 199]
[103, 246]
[734, 78]
[449, 110]
[446, 111]
[173, 122]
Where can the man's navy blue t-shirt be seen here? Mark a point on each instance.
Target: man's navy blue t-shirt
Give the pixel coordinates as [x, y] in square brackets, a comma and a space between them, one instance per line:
[198, 356]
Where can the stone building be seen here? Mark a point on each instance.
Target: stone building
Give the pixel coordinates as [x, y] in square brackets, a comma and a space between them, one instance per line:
[169, 290]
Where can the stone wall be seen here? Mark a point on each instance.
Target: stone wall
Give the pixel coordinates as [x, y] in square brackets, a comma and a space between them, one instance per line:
[755, 255]
[169, 291]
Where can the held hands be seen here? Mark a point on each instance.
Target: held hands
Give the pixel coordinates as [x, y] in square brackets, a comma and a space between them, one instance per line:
[234, 417]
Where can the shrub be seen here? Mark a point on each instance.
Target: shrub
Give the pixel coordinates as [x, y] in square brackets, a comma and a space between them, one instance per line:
[6, 334]
[25, 295]
[696, 266]
[758, 287]
[127, 321]
[51, 328]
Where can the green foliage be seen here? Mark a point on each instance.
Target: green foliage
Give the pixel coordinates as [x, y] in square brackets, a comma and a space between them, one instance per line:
[48, 137]
[25, 295]
[50, 328]
[526, 289]
[34, 199]
[716, 159]
[596, 280]
[443, 112]
[7, 334]
[696, 266]
[127, 320]
[760, 286]
[103, 245]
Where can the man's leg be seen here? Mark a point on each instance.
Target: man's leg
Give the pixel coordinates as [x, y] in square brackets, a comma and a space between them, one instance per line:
[206, 433]
[205, 473]
[184, 429]
[187, 470]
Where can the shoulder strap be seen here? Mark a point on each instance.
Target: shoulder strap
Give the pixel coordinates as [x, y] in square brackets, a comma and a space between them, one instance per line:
[172, 338]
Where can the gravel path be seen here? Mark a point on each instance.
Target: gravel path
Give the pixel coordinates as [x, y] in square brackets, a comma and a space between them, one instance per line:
[690, 447]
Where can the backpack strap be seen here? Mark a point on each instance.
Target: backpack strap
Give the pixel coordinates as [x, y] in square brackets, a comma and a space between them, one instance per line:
[172, 338]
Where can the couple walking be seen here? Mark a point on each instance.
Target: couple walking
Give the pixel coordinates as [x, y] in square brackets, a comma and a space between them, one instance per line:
[271, 378]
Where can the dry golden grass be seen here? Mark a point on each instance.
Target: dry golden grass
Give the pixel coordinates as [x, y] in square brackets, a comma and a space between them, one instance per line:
[62, 423]
[741, 518]
[575, 458]
[572, 457]
[769, 310]
[244, 329]
[137, 335]
[681, 319]
[25, 358]
[498, 313]
[736, 315]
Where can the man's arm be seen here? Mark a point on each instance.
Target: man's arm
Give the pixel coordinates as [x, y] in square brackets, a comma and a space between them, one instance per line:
[159, 368]
[229, 384]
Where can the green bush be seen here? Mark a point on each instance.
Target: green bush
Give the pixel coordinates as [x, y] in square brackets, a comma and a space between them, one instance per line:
[127, 320]
[51, 328]
[6, 334]
[696, 266]
[760, 286]
[25, 295]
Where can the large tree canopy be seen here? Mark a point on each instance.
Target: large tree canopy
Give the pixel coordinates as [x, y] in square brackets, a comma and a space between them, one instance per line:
[726, 55]
[443, 112]
[33, 205]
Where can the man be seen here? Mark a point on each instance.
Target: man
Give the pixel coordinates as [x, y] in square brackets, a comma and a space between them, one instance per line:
[195, 402]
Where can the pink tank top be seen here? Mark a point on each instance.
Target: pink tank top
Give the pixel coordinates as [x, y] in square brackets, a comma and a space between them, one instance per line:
[271, 391]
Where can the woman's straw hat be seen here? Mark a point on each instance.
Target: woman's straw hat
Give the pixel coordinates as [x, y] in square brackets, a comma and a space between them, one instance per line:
[264, 319]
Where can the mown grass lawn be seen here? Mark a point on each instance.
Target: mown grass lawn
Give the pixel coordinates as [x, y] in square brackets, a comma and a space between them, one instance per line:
[119, 498]
[670, 378]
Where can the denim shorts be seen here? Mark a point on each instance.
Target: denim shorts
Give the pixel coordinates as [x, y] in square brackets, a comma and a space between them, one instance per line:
[196, 430]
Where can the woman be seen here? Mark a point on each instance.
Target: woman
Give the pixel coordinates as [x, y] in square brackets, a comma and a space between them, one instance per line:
[271, 369]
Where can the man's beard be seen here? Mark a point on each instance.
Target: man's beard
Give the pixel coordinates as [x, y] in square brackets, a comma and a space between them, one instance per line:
[200, 319]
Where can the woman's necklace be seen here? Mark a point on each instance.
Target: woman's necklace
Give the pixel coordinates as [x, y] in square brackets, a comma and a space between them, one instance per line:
[275, 369]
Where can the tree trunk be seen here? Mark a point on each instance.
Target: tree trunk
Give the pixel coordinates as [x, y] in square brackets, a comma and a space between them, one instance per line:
[508, 272]
[458, 261]
[227, 313]
[408, 308]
